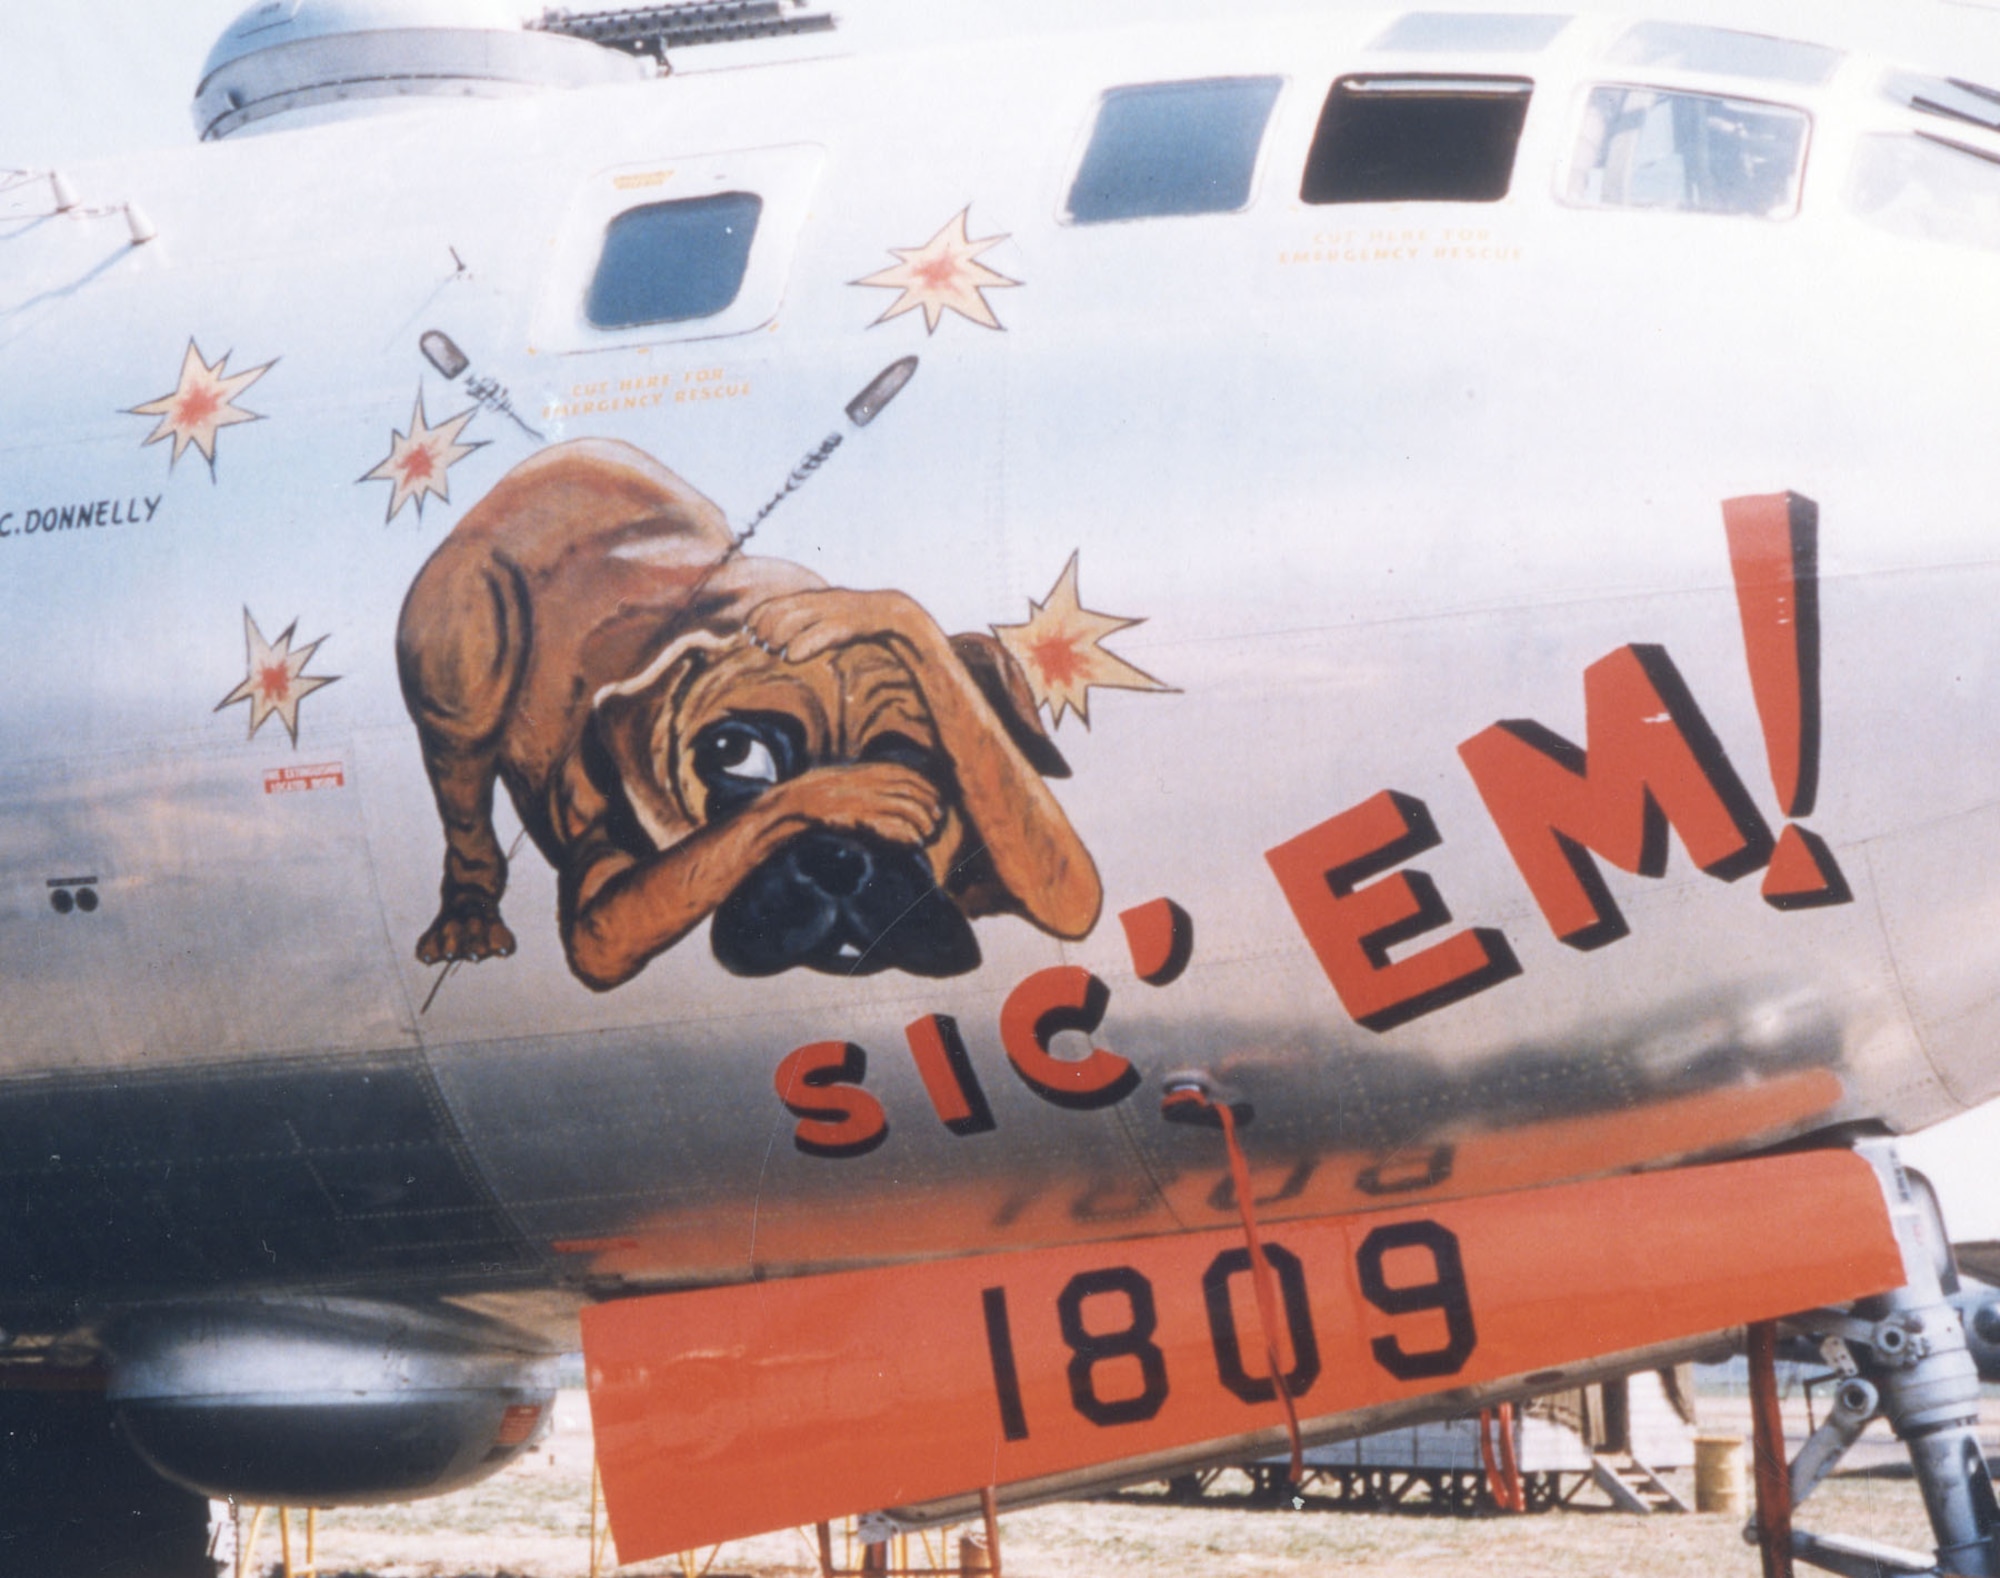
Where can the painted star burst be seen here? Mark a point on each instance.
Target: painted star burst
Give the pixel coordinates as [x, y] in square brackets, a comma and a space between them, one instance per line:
[276, 681]
[1059, 647]
[420, 460]
[200, 405]
[943, 275]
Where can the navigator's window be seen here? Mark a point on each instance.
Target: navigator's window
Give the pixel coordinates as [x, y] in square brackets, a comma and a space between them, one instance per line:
[670, 262]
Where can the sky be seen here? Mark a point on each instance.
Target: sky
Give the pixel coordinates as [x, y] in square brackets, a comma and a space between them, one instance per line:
[81, 79]
[84, 78]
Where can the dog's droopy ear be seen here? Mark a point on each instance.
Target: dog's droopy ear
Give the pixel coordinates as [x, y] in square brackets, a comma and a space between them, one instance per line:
[625, 724]
[1005, 688]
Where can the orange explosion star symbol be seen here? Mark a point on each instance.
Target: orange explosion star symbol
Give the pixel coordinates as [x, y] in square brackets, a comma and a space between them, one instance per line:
[200, 405]
[276, 680]
[420, 460]
[943, 275]
[1060, 649]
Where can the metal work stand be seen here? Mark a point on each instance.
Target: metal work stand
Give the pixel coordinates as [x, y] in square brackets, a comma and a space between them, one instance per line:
[246, 1557]
[973, 1562]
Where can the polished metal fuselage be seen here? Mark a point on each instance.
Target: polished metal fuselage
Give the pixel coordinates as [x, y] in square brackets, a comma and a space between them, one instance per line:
[1375, 477]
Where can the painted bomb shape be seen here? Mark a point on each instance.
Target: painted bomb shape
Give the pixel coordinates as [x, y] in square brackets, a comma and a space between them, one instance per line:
[688, 732]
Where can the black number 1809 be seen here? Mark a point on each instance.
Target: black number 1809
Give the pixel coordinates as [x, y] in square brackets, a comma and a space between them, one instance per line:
[1121, 1324]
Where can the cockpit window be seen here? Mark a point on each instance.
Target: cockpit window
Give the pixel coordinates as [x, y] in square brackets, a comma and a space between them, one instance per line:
[1492, 33]
[1688, 152]
[1720, 51]
[1404, 139]
[669, 262]
[1949, 98]
[1163, 148]
[1927, 187]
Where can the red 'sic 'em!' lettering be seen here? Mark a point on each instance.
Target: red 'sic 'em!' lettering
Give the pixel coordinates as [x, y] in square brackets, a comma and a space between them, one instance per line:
[947, 1074]
[1064, 997]
[1651, 763]
[817, 1085]
[1352, 928]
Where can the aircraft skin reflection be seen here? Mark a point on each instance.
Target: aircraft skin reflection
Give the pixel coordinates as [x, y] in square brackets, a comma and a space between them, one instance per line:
[1487, 657]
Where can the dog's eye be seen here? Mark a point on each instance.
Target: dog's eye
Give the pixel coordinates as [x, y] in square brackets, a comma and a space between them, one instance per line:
[745, 756]
[739, 758]
[898, 748]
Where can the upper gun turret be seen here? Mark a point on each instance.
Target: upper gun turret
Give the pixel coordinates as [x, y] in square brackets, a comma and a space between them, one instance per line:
[311, 60]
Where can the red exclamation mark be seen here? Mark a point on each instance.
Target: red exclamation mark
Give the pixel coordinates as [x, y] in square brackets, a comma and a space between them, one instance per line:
[1774, 552]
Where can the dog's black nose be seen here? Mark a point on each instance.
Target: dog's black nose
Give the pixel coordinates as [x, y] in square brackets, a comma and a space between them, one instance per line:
[844, 903]
[836, 866]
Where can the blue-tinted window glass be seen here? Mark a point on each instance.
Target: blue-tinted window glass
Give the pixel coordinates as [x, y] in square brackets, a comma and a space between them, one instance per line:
[1682, 46]
[1694, 153]
[668, 262]
[1173, 148]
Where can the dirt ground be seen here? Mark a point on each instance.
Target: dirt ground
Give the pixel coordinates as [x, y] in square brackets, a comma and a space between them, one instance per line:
[533, 1521]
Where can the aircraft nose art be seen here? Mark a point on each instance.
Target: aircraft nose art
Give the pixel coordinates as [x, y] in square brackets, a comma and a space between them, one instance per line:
[730, 1411]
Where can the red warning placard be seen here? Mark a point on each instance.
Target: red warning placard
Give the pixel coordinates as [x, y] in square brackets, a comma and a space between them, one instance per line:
[297, 780]
[731, 1411]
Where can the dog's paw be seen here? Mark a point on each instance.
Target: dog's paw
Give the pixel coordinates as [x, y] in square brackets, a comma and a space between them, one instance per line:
[467, 931]
[895, 803]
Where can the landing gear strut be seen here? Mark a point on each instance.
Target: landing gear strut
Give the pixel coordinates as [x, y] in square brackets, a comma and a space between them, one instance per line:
[1901, 1356]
